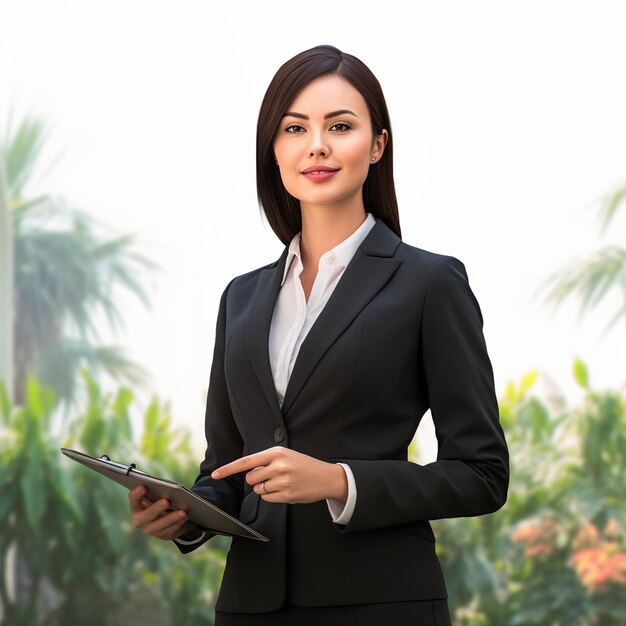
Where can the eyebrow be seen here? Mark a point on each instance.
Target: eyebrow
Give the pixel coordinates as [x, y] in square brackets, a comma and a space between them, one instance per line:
[327, 116]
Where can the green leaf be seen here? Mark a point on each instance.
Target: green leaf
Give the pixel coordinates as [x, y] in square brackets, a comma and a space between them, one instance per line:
[581, 374]
[528, 380]
[5, 403]
[7, 497]
[611, 204]
[152, 416]
[123, 399]
[33, 397]
[48, 399]
[67, 492]
[33, 493]
[110, 522]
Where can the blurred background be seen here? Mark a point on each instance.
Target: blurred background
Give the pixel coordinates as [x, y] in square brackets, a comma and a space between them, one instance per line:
[128, 201]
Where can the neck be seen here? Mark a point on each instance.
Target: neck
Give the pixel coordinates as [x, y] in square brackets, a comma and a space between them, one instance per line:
[323, 228]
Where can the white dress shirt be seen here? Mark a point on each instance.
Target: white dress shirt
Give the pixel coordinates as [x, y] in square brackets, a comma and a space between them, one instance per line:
[292, 319]
[294, 316]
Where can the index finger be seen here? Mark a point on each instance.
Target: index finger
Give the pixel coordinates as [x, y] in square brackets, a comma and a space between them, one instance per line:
[243, 464]
[135, 496]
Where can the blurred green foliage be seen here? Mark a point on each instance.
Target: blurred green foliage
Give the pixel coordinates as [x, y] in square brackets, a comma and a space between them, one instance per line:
[556, 553]
[590, 279]
[68, 273]
[68, 551]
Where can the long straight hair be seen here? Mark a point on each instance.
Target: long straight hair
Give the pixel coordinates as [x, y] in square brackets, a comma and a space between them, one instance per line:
[280, 207]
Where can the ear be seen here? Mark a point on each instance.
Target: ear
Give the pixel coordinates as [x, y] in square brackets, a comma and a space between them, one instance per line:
[378, 147]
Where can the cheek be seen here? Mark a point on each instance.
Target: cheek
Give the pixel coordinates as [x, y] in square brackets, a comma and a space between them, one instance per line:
[281, 154]
[283, 151]
[358, 151]
[287, 180]
[286, 166]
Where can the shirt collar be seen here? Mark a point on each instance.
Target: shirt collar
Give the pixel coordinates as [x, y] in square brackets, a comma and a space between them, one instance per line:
[340, 255]
[294, 253]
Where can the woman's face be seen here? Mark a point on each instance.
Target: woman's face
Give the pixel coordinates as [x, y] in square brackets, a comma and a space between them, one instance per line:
[327, 125]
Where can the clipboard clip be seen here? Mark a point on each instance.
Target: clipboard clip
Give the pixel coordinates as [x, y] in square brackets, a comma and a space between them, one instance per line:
[123, 469]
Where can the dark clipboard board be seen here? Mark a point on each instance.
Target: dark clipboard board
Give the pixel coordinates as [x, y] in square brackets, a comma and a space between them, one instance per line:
[200, 511]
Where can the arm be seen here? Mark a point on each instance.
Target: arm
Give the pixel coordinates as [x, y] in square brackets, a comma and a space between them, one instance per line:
[224, 442]
[470, 476]
[341, 510]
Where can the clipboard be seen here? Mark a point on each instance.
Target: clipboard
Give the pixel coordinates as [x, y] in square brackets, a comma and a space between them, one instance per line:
[200, 511]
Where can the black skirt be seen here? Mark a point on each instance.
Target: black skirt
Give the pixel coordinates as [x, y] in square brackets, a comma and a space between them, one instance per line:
[417, 613]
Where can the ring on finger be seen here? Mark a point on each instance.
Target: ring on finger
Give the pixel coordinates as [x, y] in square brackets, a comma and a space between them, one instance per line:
[264, 489]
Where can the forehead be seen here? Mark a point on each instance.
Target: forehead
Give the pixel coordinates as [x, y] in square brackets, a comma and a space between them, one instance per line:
[329, 93]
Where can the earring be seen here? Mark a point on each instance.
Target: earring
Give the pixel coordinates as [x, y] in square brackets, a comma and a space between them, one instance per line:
[373, 158]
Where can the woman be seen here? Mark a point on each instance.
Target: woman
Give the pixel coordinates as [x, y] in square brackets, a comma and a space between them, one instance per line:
[324, 363]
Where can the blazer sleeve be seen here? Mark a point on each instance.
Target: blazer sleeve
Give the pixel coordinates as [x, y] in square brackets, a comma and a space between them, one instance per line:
[471, 473]
[224, 442]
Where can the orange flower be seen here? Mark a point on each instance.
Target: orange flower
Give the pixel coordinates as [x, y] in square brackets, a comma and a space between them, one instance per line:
[618, 563]
[538, 549]
[526, 533]
[587, 537]
[539, 537]
[600, 566]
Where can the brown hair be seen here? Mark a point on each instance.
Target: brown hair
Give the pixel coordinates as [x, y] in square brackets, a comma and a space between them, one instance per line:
[281, 208]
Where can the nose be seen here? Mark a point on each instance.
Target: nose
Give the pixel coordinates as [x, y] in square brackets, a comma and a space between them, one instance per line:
[318, 147]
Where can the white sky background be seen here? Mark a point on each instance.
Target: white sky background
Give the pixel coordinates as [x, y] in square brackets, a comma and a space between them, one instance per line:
[508, 119]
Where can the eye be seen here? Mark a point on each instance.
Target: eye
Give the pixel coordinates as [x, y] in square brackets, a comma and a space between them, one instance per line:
[341, 127]
[294, 129]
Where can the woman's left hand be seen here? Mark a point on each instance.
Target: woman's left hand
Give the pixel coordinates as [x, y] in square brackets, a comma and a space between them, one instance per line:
[283, 475]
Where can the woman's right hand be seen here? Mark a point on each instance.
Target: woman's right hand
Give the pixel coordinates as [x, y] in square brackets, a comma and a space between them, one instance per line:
[154, 519]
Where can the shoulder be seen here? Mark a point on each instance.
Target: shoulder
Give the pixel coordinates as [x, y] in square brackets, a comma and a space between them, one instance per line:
[242, 281]
[447, 291]
[383, 242]
[419, 270]
[244, 285]
[436, 269]
[433, 261]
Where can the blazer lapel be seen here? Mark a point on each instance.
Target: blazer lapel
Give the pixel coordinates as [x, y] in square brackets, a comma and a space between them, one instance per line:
[367, 273]
[257, 331]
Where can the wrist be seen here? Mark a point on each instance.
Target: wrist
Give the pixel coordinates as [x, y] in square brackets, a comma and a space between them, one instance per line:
[191, 532]
[338, 483]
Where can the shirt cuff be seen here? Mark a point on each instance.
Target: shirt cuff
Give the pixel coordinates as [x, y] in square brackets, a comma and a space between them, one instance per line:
[191, 542]
[341, 512]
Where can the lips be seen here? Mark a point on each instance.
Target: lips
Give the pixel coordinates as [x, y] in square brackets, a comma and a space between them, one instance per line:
[319, 173]
[319, 169]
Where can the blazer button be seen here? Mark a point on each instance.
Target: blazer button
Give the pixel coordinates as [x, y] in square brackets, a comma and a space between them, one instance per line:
[279, 435]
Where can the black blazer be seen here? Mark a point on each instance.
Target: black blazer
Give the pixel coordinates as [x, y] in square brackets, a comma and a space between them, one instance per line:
[401, 333]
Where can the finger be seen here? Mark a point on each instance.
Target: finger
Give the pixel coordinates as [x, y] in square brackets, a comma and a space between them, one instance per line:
[265, 487]
[146, 516]
[275, 497]
[259, 488]
[166, 526]
[258, 475]
[244, 464]
[134, 497]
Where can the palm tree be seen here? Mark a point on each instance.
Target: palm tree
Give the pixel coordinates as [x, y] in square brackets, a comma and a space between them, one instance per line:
[66, 272]
[591, 279]
[6, 283]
